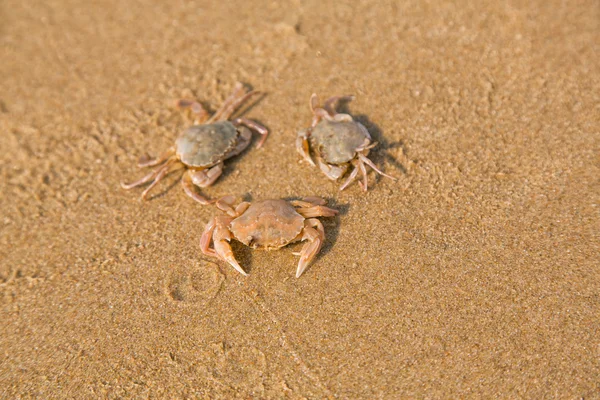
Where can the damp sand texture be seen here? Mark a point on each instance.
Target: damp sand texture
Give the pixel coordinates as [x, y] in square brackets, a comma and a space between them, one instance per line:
[475, 275]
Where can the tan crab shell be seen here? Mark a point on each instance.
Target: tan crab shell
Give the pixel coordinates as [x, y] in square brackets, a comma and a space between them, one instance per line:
[268, 224]
[337, 141]
[203, 146]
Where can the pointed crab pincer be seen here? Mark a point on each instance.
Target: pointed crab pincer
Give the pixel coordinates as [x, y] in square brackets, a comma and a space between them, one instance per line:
[267, 225]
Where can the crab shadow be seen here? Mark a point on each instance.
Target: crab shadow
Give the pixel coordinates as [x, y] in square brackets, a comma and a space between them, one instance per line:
[332, 228]
[380, 153]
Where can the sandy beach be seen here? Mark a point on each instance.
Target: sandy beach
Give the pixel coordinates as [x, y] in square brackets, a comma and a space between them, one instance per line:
[475, 275]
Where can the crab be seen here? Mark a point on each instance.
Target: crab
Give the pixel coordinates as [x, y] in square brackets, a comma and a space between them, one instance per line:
[202, 148]
[338, 142]
[267, 225]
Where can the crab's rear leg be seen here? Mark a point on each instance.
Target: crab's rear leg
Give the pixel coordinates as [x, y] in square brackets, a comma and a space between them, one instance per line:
[314, 233]
[146, 161]
[162, 172]
[312, 207]
[237, 103]
[372, 165]
[350, 178]
[142, 180]
[237, 90]
[155, 176]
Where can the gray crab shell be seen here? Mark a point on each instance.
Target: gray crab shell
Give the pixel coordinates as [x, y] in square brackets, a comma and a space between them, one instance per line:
[205, 145]
[337, 141]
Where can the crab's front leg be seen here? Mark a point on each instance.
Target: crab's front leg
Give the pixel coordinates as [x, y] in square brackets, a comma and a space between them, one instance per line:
[302, 146]
[217, 230]
[201, 178]
[221, 238]
[314, 233]
[333, 172]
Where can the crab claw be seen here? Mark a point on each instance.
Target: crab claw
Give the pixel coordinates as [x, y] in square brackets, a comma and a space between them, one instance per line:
[216, 230]
[224, 251]
[314, 233]
[221, 238]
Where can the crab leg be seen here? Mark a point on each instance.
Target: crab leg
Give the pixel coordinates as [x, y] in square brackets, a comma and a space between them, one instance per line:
[232, 107]
[318, 112]
[196, 108]
[226, 204]
[315, 234]
[350, 178]
[206, 177]
[370, 164]
[255, 126]
[317, 211]
[206, 238]
[141, 181]
[302, 147]
[161, 174]
[318, 115]
[236, 90]
[145, 161]
[314, 102]
[311, 207]
[217, 230]
[221, 238]
[363, 172]
[333, 172]
[152, 175]
[314, 200]
[187, 181]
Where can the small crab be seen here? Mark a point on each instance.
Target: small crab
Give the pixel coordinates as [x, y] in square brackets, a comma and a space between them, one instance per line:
[337, 142]
[203, 147]
[268, 225]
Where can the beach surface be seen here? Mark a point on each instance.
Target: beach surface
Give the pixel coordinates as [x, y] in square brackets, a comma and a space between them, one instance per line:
[475, 275]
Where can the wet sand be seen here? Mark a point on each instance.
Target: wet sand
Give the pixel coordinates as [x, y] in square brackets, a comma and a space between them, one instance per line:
[475, 275]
